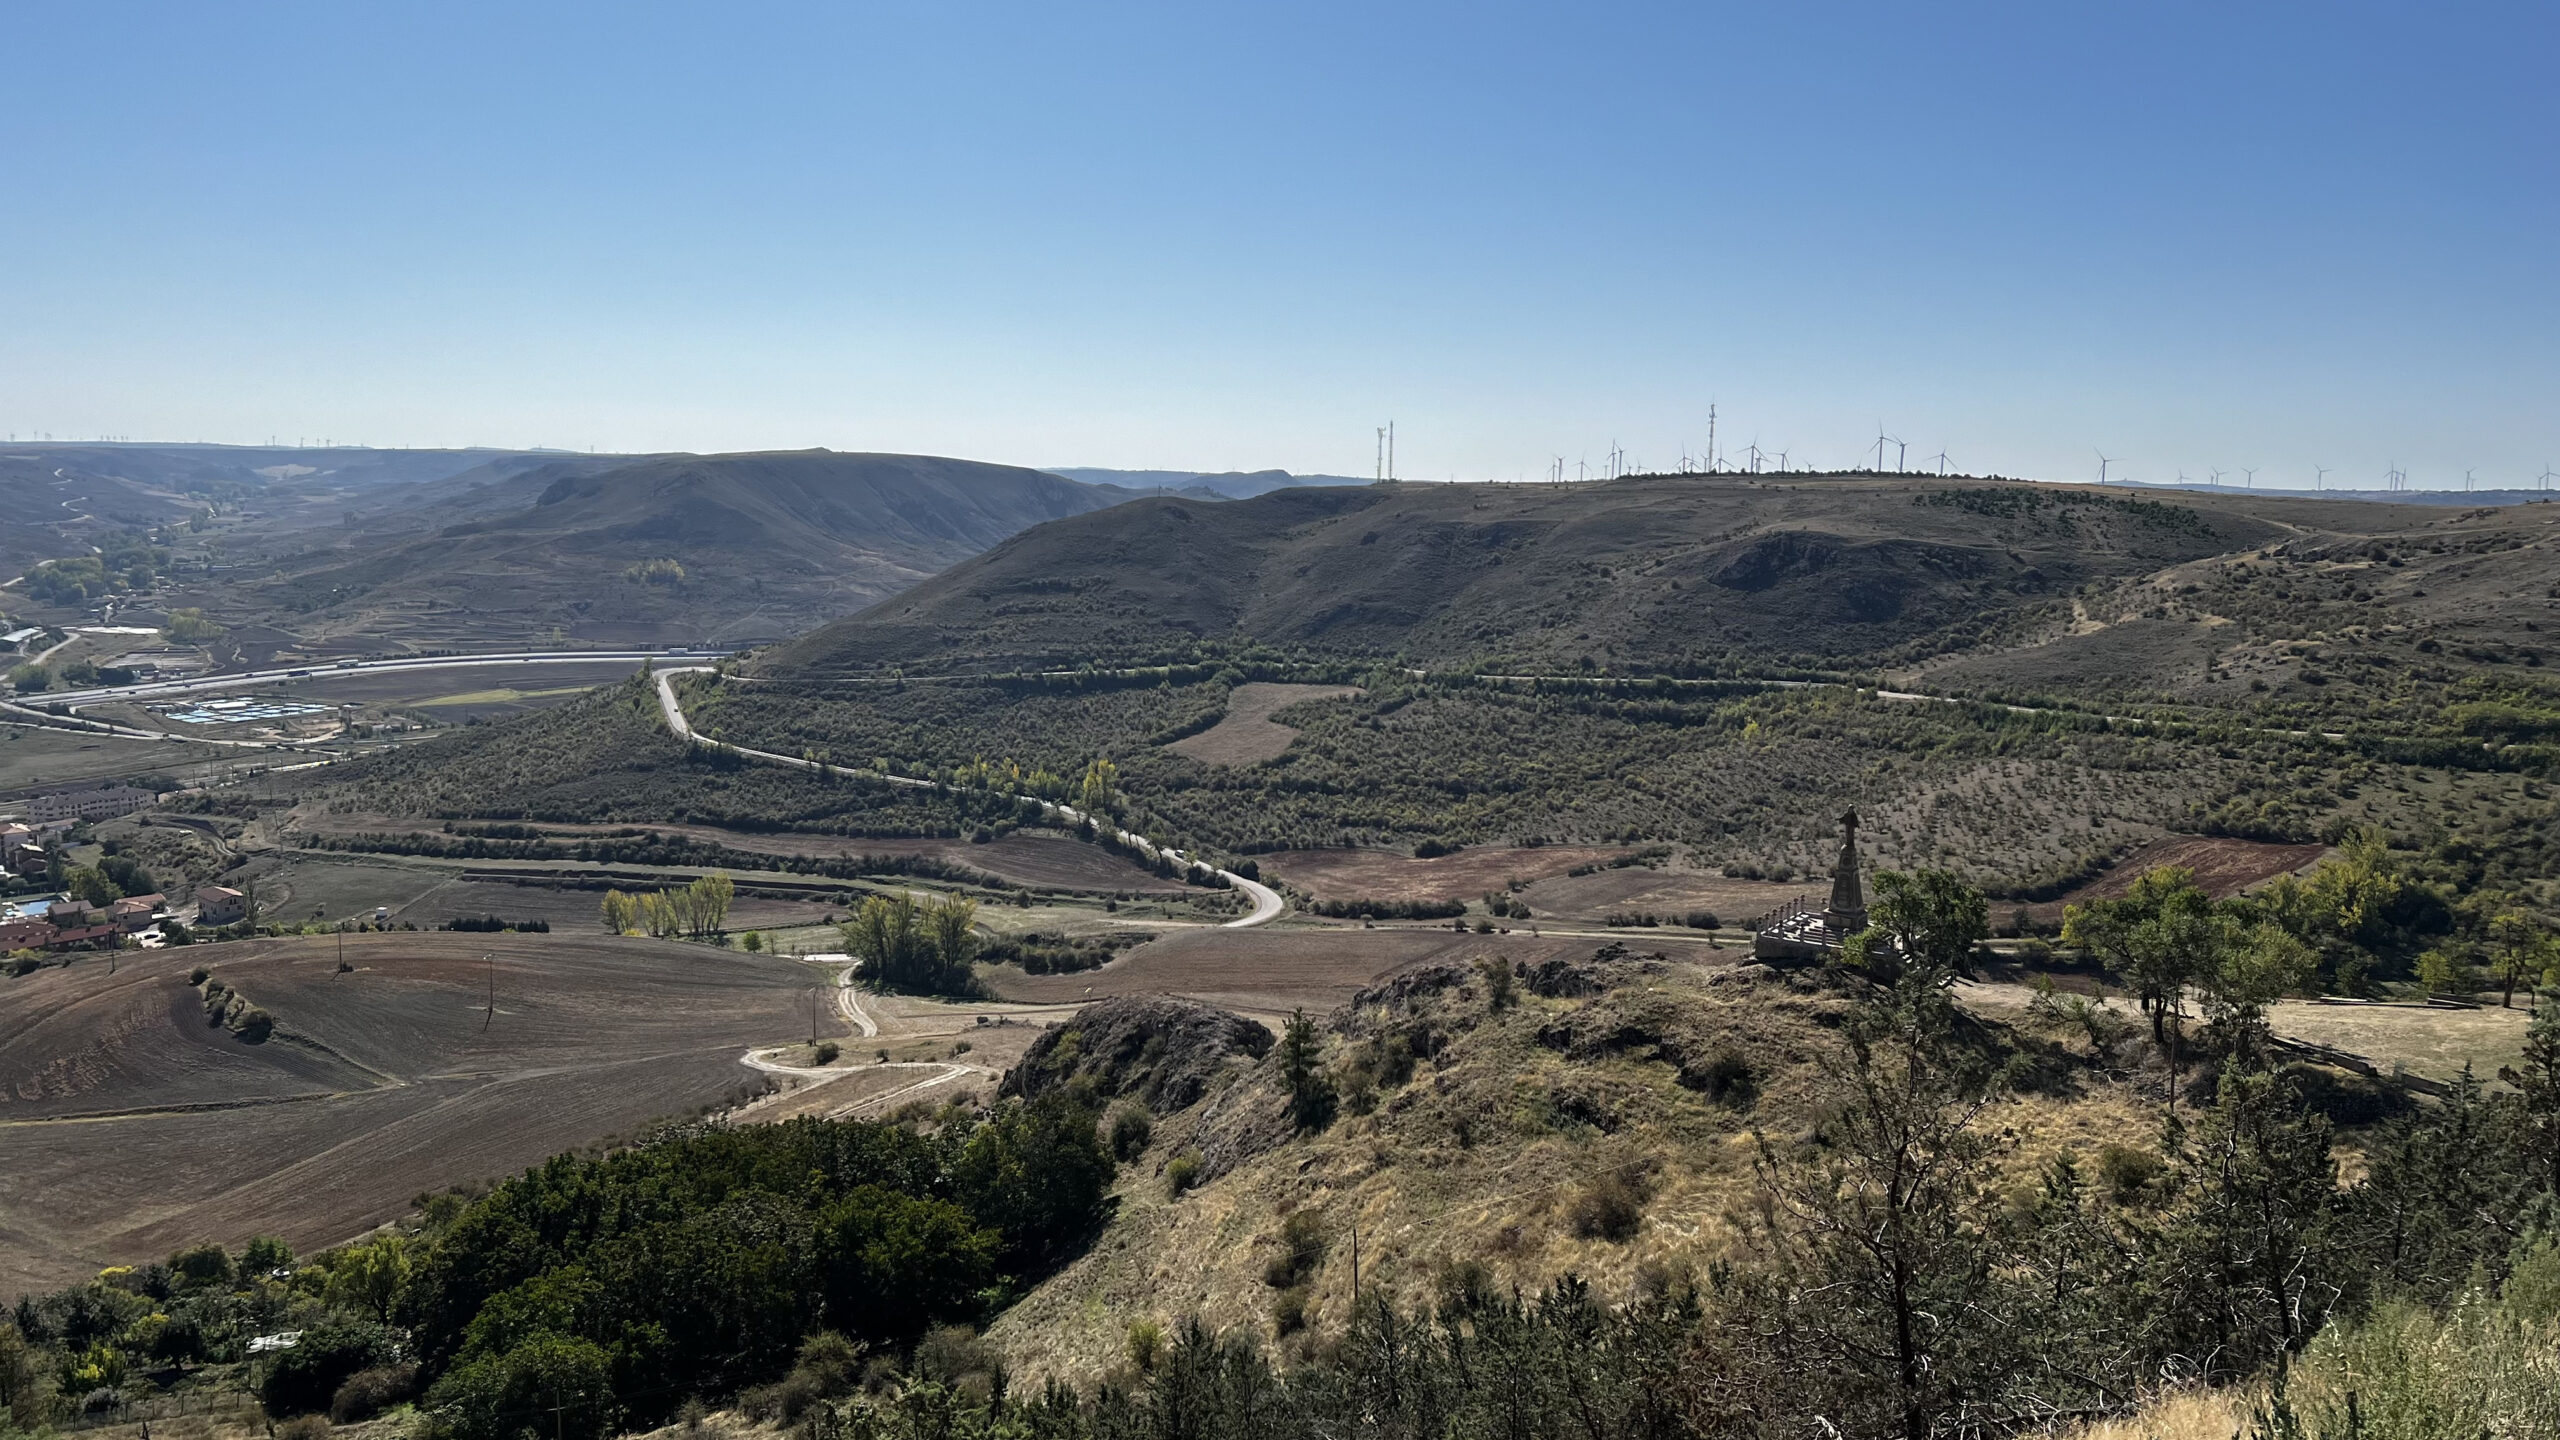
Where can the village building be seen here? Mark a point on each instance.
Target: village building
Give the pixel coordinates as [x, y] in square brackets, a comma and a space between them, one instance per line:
[135, 912]
[220, 905]
[104, 803]
[25, 933]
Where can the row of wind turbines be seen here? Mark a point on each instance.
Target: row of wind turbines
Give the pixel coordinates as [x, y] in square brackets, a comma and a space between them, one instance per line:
[2394, 480]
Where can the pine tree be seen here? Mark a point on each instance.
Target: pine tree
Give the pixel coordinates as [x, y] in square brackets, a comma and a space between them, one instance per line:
[1310, 1091]
[2537, 1083]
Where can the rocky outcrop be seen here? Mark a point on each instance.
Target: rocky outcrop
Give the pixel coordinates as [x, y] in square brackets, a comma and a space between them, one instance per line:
[1159, 1051]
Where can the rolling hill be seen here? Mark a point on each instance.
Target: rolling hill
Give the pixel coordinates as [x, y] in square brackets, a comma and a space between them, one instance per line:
[1646, 574]
[2040, 585]
[717, 549]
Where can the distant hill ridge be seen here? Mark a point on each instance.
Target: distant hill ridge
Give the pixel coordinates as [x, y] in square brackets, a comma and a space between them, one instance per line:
[761, 544]
[1648, 573]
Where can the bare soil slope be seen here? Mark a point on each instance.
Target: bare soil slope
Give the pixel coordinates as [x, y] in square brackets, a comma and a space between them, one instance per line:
[133, 1127]
[1247, 735]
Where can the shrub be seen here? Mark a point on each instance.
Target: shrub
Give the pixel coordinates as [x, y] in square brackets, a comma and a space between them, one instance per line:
[201, 1265]
[1130, 1132]
[1182, 1173]
[2128, 1174]
[1289, 1309]
[198, 975]
[305, 1379]
[1702, 920]
[1302, 1247]
[1727, 1078]
[1146, 1344]
[372, 1390]
[1610, 1207]
[827, 1052]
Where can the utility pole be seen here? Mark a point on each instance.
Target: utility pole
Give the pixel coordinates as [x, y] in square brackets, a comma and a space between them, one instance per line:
[492, 1013]
[1391, 450]
[1382, 455]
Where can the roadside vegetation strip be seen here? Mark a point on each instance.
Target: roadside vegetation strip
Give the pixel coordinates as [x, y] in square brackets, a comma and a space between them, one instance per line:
[1267, 905]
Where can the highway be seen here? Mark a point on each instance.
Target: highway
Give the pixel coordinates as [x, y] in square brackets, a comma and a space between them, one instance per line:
[1267, 904]
[254, 679]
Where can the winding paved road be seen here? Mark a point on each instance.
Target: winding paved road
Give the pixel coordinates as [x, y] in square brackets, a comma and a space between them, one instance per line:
[1267, 905]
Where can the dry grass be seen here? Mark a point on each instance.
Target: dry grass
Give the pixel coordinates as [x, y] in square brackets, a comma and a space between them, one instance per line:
[2183, 1415]
[1390, 875]
[1484, 1158]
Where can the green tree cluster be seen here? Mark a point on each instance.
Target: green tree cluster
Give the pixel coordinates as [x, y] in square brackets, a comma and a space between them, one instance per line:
[698, 909]
[922, 949]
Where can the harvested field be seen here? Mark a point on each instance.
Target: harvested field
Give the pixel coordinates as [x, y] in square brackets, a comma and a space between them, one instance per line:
[1670, 894]
[321, 885]
[1248, 735]
[1041, 859]
[1388, 875]
[2224, 867]
[133, 1127]
[33, 757]
[1268, 973]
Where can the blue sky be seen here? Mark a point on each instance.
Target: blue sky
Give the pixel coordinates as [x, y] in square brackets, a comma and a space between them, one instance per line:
[1221, 236]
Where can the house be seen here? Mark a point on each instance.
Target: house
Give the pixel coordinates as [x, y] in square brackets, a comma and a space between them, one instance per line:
[220, 905]
[103, 803]
[25, 933]
[135, 912]
[82, 935]
[28, 859]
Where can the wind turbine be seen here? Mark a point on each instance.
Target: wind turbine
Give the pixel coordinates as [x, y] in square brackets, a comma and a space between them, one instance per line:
[2545, 477]
[2104, 460]
[2319, 477]
[2214, 477]
[1900, 449]
[1880, 444]
[2466, 482]
[2249, 476]
[1942, 462]
[1753, 449]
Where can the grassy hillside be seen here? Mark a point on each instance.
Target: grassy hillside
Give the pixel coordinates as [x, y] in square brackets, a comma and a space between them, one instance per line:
[666, 549]
[1649, 574]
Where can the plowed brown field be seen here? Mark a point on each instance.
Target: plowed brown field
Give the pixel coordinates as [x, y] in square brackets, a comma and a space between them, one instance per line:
[131, 1127]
